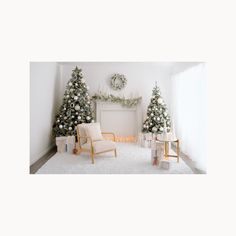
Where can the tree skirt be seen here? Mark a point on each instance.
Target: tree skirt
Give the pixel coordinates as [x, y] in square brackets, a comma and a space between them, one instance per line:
[131, 159]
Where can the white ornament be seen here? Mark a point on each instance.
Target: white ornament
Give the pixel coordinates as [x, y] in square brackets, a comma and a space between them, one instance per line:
[76, 113]
[88, 118]
[71, 90]
[60, 126]
[82, 80]
[64, 108]
[65, 118]
[70, 83]
[76, 84]
[161, 128]
[80, 74]
[158, 118]
[75, 98]
[165, 114]
[79, 117]
[160, 100]
[70, 128]
[58, 120]
[75, 122]
[77, 107]
[92, 121]
[152, 114]
[72, 116]
[154, 129]
[67, 96]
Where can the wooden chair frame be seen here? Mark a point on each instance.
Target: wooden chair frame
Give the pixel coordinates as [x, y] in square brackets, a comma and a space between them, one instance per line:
[91, 150]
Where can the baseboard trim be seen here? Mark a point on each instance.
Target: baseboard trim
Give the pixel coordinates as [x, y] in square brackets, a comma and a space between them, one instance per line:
[42, 160]
[190, 163]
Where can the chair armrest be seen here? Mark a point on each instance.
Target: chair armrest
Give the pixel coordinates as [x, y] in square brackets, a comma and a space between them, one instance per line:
[113, 135]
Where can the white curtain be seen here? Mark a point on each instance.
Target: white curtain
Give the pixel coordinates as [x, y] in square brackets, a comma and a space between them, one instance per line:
[189, 112]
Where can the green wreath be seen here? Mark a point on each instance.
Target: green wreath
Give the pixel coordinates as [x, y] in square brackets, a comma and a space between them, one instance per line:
[118, 81]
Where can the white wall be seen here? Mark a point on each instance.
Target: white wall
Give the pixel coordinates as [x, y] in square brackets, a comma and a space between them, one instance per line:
[189, 111]
[141, 78]
[44, 100]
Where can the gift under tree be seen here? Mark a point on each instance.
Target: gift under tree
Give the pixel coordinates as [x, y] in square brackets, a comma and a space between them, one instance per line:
[76, 106]
[158, 118]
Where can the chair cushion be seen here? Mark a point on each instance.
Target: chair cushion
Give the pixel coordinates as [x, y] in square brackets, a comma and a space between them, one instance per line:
[94, 132]
[82, 130]
[100, 146]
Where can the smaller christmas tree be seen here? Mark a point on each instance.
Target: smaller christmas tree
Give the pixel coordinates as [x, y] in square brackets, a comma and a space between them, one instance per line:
[158, 119]
[76, 107]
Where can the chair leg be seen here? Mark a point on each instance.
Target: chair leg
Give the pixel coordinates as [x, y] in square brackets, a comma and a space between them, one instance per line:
[92, 156]
[177, 150]
[115, 153]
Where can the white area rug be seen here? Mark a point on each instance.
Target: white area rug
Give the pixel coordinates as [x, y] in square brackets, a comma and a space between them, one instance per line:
[131, 159]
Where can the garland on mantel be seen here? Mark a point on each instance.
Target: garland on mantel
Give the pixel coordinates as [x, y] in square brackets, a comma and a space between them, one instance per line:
[126, 102]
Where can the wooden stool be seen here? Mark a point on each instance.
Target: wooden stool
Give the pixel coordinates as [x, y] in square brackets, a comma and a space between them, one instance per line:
[168, 138]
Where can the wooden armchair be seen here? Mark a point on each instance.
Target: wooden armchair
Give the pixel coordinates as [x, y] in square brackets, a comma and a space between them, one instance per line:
[87, 143]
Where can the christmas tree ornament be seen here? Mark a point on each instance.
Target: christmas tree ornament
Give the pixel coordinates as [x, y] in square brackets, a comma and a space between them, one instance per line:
[76, 113]
[70, 128]
[64, 108]
[77, 107]
[65, 118]
[159, 100]
[60, 126]
[70, 84]
[154, 129]
[79, 118]
[88, 118]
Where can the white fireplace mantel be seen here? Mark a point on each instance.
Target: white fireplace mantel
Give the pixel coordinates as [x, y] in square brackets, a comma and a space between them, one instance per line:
[121, 120]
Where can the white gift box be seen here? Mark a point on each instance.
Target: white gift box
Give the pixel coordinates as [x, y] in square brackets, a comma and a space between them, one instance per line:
[61, 144]
[157, 152]
[165, 165]
[70, 142]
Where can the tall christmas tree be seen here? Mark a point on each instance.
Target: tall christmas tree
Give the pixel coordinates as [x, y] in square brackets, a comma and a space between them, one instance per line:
[158, 118]
[76, 106]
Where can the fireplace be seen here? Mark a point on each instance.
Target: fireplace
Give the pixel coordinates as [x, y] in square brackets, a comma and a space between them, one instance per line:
[125, 122]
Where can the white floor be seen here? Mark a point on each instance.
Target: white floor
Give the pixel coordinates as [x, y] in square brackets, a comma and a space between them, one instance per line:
[131, 159]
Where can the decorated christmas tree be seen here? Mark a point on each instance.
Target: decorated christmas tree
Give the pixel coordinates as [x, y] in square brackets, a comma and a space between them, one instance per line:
[158, 118]
[76, 106]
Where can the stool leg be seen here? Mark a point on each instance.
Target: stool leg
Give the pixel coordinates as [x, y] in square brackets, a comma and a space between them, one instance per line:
[177, 150]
